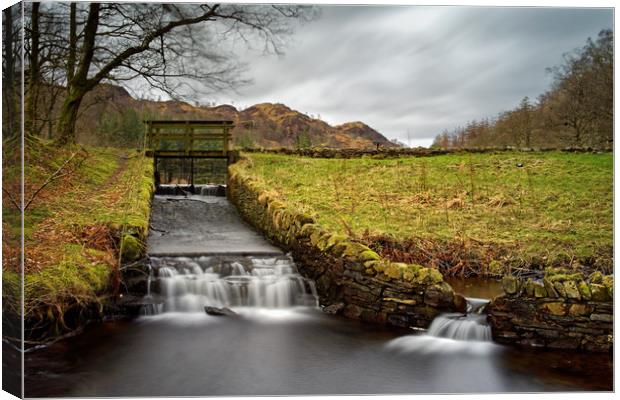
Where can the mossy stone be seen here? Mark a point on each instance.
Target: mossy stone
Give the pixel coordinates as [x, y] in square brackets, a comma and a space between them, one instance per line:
[315, 237]
[559, 287]
[323, 240]
[584, 290]
[510, 284]
[369, 255]
[308, 229]
[263, 199]
[429, 276]
[596, 277]
[275, 205]
[599, 292]
[132, 248]
[302, 219]
[529, 287]
[572, 292]
[339, 248]
[539, 290]
[380, 266]
[354, 249]
[394, 271]
[608, 282]
[334, 239]
[409, 275]
[551, 292]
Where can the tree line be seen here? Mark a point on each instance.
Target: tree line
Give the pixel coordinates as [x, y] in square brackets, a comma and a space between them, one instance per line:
[576, 111]
[69, 48]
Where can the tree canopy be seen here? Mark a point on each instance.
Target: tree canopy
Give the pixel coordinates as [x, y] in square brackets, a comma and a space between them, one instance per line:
[576, 111]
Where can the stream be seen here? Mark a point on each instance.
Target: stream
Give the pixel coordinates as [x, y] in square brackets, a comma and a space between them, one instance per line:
[277, 341]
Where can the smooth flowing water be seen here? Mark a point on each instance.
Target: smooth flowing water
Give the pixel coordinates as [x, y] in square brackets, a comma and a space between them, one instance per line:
[281, 343]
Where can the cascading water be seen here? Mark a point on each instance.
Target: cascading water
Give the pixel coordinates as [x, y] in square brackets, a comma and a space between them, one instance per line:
[191, 284]
[453, 333]
[469, 326]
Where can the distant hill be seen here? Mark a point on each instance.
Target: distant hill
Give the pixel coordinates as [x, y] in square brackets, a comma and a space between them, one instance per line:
[264, 125]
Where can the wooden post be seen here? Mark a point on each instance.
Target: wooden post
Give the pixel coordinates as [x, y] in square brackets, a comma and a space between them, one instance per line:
[191, 178]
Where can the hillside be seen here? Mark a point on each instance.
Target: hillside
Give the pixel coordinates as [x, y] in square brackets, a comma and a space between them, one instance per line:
[266, 125]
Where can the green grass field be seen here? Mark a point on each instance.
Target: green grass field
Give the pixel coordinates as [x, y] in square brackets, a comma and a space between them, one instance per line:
[522, 209]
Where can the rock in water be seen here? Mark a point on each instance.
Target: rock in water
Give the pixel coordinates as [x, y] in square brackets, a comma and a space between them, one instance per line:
[333, 308]
[219, 311]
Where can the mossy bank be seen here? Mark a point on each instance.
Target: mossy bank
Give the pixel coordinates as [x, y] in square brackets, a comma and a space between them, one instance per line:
[78, 230]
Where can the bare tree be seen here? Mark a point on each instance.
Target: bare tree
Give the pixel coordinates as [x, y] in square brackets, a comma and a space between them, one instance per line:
[582, 94]
[175, 48]
[11, 67]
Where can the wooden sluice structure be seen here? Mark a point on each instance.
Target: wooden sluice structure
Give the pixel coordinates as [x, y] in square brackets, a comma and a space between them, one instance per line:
[176, 143]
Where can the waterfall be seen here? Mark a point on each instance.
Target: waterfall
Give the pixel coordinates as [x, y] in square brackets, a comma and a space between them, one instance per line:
[149, 306]
[466, 333]
[469, 326]
[190, 284]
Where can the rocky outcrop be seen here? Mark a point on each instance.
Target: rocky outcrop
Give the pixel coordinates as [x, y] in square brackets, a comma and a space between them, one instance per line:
[560, 311]
[350, 278]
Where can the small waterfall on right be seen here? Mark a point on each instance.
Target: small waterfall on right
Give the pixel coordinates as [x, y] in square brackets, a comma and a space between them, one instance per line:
[452, 333]
[471, 326]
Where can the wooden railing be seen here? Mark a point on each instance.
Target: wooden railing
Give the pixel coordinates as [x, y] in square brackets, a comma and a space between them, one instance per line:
[188, 139]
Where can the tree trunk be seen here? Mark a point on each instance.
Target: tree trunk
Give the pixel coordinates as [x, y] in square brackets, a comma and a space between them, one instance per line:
[79, 84]
[68, 117]
[8, 89]
[33, 76]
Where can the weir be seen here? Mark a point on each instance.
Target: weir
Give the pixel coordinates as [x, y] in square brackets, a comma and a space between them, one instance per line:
[202, 255]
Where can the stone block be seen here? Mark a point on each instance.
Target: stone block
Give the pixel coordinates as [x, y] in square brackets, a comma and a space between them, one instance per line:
[352, 311]
[510, 284]
[410, 302]
[564, 343]
[539, 290]
[551, 292]
[599, 292]
[556, 308]
[572, 292]
[579, 309]
[602, 317]
[584, 290]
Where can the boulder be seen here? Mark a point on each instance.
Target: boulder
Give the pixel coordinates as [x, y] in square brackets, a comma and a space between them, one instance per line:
[460, 303]
[510, 284]
[333, 309]
[216, 311]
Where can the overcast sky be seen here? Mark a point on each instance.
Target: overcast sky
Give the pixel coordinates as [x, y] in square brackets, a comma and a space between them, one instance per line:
[417, 69]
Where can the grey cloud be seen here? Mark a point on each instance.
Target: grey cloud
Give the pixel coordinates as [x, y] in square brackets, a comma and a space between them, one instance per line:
[417, 69]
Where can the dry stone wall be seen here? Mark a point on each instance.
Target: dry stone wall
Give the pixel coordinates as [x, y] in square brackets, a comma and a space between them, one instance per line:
[395, 152]
[561, 311]
[350, 278]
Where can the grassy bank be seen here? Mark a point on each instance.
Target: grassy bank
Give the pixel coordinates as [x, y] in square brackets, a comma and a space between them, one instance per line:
[87, 206]
[466, 214]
